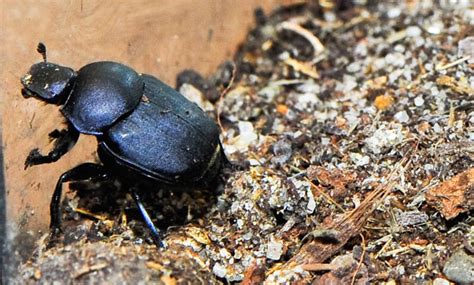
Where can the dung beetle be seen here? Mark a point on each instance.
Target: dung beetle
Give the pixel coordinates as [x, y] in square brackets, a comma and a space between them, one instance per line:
[146, 131]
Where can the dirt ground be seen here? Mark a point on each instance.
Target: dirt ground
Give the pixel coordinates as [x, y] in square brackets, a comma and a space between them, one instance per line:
[352, 126]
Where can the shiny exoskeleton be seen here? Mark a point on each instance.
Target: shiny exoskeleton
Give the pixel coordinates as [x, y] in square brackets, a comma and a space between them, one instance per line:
[145, 129]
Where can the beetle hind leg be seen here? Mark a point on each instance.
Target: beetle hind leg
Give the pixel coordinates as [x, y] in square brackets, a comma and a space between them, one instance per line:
[155, 233]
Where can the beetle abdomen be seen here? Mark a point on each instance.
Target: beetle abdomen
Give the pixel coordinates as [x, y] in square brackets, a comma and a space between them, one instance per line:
[103, 92]
[166, 135]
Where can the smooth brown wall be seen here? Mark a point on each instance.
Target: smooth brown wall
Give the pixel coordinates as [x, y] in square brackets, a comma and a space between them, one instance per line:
[156, 37]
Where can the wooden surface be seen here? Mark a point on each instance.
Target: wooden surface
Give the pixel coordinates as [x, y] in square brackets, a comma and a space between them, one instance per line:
[156, 37]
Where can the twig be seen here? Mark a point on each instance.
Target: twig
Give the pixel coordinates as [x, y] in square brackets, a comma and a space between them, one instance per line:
[318, 47]
[88, 269]
[325, 195]
[454, 63]
[318, 266]
[351, 224]
[360, 260]
[221, 97]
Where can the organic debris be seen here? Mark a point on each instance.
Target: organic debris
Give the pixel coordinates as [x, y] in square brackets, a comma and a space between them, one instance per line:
[454, 196]
[352, 129]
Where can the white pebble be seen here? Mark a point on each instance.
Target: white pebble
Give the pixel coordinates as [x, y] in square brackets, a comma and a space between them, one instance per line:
[437, 128]
[219, 270]
[274, 249]
[359, 159]
[413, 31]
[419, 101]
[394, 12]
[353, 67]
[402, 117]
[466, 48]
[435, 28]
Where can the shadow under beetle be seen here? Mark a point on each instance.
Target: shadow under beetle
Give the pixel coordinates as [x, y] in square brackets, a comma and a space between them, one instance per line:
[146, 131]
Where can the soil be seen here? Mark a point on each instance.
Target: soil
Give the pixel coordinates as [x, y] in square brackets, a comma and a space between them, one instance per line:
[352, 129]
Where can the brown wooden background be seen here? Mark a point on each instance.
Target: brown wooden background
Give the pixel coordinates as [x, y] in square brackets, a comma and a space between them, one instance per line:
[157, 37]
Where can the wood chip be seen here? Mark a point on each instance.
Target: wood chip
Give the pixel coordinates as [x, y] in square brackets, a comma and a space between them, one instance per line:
[303, 67]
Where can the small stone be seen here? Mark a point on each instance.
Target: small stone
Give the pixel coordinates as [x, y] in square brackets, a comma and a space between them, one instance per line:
[460, 268]
[384, 137]
[413, 31]
[353, 67]
[419, 101]
[246, 137]
[435, 28]
[441, 281]
[274, 249]
[269, 92]
[219, 270]
[344, 264]
[359, 159]
[396, 59]
[437, 128]
[195, 95]
[394, 12]
[411, 218]
[282, 151]
[466, 48]
[224, 253]
[402, 117]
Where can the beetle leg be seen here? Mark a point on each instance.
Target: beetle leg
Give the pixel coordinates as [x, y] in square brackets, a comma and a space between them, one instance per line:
[64, 140]
[155, 233]
[83, 171]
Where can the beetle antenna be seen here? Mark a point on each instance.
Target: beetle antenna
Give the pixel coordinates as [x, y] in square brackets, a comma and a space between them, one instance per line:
[41, 48]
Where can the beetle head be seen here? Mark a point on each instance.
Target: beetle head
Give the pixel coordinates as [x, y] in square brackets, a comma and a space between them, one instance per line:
[48, 81]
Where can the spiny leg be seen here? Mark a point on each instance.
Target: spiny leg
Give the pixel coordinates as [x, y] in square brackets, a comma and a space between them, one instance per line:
[155, 233]
[64, 140]
[83, 171]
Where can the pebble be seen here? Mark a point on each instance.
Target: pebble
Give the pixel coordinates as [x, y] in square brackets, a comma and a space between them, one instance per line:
[384, 137]
[359, 159]
[402, 117]
[419, 101]
[394, 12]
[411, 218]
[353, 67]
[282, 151]
[437, 128]
[466, 48]
[274, 249]
[219, 270]
[195, 95]
[460, 267]
[435, 28]
[441, 281]
[413, 31]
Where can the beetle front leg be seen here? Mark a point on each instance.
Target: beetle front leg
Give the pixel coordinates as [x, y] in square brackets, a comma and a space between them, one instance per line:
[64, 140]
[85, 171]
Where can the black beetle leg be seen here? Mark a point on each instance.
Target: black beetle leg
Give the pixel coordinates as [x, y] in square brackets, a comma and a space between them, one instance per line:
[155, 233]
[83, 171]
[64, 140]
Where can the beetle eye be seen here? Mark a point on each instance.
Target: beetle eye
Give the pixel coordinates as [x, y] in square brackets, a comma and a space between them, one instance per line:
[26, 94]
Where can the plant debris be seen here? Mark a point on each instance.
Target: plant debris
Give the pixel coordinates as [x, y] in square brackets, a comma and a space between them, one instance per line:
[453, 196]
[353, 128]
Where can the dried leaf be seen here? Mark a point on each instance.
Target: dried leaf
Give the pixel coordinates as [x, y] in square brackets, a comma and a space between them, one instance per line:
[455, 85]
[453, 196]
